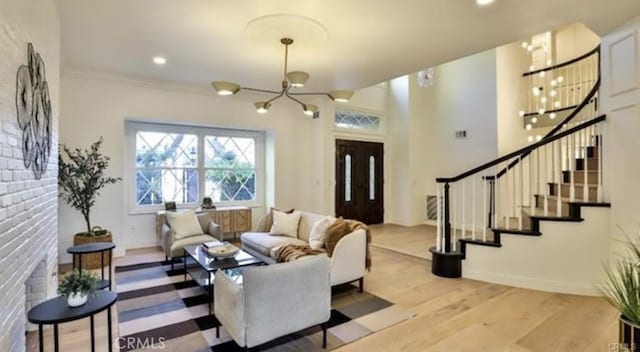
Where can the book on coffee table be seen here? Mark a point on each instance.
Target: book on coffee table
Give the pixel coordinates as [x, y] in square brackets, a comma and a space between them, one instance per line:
[211, 244]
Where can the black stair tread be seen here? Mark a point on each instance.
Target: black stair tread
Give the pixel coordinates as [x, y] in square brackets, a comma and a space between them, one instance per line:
[595, 172]
[592, 204]
[590, 185]
[557, 218]
[523, 232]
[456, 253]
[481, 242]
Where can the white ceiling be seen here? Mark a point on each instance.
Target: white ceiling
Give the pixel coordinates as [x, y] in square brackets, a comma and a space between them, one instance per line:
[368, 41]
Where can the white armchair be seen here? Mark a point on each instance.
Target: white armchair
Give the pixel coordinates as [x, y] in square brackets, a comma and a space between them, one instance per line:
[273, 301]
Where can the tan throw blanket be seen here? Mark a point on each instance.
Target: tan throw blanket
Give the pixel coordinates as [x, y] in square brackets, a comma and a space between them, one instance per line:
[291, 252]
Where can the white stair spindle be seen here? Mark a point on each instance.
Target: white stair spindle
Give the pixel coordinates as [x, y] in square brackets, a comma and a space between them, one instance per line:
[496, 204]
[439, 238]
[485, 214]
[543, 182]
[585, 182]
[558, 176]
[473, 207]
[505, 192]
[521, 191]
[454, 231]
[532, 182]
[598, 140]
[464, 209]
[572, 158]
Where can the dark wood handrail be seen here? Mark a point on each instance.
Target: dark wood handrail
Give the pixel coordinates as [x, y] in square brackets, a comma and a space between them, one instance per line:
[521, 151]
[563, 64]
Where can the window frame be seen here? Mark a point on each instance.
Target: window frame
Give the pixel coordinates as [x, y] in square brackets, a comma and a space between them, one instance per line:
[133, 127]
[382, 128]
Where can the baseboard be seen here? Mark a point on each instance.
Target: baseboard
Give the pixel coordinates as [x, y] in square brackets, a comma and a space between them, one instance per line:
[575, 288]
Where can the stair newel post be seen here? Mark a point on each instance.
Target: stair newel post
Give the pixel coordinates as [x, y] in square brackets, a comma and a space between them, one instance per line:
[447, 224]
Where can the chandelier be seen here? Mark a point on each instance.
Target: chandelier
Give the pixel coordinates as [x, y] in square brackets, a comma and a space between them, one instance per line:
[293, 79]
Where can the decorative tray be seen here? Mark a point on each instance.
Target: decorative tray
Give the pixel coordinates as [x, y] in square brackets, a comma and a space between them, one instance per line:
[224, 250]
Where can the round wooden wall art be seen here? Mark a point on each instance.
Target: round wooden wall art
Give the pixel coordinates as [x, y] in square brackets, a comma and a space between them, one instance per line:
[33, 105]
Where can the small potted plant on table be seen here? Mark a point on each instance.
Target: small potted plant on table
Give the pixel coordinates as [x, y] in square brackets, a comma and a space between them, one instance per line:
[77, 287]
[81, 176]
[622, 290]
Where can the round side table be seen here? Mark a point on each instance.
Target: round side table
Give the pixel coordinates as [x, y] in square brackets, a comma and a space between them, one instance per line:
[56, 311]
[89, 248]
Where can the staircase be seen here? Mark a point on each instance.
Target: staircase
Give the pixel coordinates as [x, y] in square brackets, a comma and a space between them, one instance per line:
[550, 181]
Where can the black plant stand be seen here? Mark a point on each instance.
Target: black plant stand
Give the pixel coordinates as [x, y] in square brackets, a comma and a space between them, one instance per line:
[56, 311]
[89, 248]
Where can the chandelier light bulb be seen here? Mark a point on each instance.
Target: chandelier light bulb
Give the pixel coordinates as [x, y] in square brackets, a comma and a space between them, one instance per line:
[556, 104]
[530, 138]
[549, 62]
[542, 111]
[542, 74]
[525, 45]
[553, 93]
[521, 113]
[532, 67]
[536, 91]
[543, 100]
[309, 109]
[552, 115]
[262, 107]
[538, 137]
[225, 88]
[560, 79]
[534, 120]
[530, 47]
[554, 83]
[342, 96]
[528, 127]
[297, 78]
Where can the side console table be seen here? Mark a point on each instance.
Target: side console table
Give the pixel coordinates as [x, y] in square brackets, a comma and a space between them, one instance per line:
[236, 219]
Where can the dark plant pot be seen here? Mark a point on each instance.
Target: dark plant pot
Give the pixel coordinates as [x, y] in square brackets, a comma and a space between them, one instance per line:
[629, 336]
[93, 261]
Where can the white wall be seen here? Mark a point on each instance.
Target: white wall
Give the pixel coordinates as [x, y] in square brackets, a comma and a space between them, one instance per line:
[620, 97]
[28, 207]
[567, 257]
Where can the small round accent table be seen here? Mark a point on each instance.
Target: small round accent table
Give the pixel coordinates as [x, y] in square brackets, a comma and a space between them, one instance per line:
[56, 311]
[89, 248]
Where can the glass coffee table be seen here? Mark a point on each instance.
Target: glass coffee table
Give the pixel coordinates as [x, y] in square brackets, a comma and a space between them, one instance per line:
[202, 266]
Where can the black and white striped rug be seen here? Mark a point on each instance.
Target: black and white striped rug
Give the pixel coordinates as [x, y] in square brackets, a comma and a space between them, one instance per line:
[158, 309]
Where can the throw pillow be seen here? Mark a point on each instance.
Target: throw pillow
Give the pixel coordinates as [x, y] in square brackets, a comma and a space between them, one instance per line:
[184, 224]
[285, 224]
[265, 223]
[335, 232]
[319, 232]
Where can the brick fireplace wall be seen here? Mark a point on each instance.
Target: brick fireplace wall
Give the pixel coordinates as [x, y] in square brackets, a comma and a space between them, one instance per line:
[28, 207]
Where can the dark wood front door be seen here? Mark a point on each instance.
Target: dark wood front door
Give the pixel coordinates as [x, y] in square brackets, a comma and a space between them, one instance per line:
[359, 181]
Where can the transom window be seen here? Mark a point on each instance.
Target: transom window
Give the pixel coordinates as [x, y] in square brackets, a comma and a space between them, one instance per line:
[357, 120]
[184, 164]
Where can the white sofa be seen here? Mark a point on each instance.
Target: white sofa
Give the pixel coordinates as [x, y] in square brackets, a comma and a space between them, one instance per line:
[347, 264]
[274, 300]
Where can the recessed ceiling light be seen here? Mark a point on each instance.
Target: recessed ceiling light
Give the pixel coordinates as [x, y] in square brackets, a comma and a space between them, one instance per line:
[159, 60]
[484, 2]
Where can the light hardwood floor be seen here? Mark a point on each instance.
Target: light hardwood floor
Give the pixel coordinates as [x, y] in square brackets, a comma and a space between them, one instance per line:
[414, 241]
[451, 314]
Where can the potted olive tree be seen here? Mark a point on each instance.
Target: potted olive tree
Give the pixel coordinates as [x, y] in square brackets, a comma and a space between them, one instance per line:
[77, 287]
[622, 290]
[81, 177]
